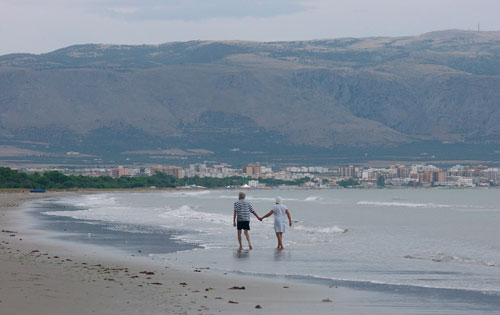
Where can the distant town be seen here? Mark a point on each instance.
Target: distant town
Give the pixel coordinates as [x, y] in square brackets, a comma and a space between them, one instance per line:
[398, 175]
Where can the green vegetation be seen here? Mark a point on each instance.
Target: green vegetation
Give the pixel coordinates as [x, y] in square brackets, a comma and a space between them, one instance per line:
[347, 183]
[380, 181]
[412, 183]
[56, 180]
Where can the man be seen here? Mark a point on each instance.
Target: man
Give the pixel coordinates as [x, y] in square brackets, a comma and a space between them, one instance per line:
[241, 218]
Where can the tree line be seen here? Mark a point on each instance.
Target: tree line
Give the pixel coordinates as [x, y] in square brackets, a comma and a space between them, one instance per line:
[56, 180]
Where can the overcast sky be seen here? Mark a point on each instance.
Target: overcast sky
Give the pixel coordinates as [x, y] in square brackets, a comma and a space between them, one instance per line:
[38, 26]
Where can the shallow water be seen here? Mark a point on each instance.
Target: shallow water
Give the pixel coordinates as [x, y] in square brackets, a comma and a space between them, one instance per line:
[425, 244]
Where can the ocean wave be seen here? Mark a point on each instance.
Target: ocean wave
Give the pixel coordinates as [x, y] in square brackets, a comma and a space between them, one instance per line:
[261, 198]
[433, 290]
[487, 295]
[99, 213]
[97, 200]
[87, 200]
[313, 198]
[320, 230]
[132, 228]
[74, 214]
[441, 257]
[187, 212]
[272, 199]
[191, 193]
[402, 204]
[235, 197]
[228, 197]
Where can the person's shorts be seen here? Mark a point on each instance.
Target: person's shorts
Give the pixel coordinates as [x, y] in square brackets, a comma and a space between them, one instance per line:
[243, 225]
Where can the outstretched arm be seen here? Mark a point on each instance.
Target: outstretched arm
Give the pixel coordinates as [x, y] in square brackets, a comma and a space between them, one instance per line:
[268, 214]
[257, 216]
[289, 217]
[234, 218]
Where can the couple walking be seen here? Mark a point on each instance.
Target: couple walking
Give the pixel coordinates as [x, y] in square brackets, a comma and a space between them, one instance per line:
[241, 219]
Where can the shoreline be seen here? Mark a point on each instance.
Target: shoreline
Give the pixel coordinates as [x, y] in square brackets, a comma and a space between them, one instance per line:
[47, 276]
[77, 191]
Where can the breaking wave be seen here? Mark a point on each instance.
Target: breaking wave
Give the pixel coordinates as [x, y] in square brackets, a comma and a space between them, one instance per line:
[320, 230]
[187, 212]
[402, 204]
[313, 198]
[191, 193]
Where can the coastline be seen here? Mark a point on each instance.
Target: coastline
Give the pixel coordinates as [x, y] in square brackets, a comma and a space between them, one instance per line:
[46, 276]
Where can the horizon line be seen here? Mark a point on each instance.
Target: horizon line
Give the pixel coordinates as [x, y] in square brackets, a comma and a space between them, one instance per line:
[251, 41]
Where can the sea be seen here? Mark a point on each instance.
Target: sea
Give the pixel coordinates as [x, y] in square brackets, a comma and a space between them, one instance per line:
[434, 251]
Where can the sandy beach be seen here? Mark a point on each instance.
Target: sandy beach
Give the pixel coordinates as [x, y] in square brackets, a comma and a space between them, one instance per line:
[45, 276]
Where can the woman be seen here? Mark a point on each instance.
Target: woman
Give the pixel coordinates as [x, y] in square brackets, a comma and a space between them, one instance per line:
[279, 210]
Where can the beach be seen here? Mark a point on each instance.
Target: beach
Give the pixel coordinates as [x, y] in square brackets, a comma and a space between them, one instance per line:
[45, 276]
[175, 252]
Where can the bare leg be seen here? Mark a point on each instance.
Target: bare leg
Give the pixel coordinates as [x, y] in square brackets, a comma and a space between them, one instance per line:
[239, 240]
[248, 239]
[280, 240]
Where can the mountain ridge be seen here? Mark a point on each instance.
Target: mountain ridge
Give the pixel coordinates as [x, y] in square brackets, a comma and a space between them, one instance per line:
[365, 92]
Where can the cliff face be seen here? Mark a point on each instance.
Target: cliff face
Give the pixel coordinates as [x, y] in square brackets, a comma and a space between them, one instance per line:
[355, 92]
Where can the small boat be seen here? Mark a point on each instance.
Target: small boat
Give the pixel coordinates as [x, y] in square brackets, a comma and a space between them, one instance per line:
[37, 190]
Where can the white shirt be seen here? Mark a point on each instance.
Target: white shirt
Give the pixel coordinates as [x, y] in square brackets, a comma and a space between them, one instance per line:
[279, 212]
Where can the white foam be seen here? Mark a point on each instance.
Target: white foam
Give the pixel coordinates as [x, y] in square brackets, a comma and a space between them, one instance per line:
[313, 198]
[87, 200]
[110, 214]
[75, 214]
[191, 193]
[97, 200]
[320, 230]
[190, 220]
[402, 204]
[130, 228]
[228, 197]
[186, 212]
[272, 199]
[261, 198]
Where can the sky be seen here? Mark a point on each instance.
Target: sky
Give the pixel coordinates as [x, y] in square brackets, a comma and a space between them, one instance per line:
[39, 26]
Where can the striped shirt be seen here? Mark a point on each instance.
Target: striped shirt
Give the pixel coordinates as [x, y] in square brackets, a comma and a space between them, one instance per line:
[243, 210]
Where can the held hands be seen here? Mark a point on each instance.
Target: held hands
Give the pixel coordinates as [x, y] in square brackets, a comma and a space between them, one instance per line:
[260, 219]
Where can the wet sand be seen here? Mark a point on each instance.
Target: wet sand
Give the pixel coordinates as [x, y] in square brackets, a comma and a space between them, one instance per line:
[42, 275]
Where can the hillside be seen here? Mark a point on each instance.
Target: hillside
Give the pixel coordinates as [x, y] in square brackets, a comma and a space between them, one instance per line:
[217, 95]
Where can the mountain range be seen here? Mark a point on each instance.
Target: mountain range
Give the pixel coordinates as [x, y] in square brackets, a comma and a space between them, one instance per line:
[271, 98]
